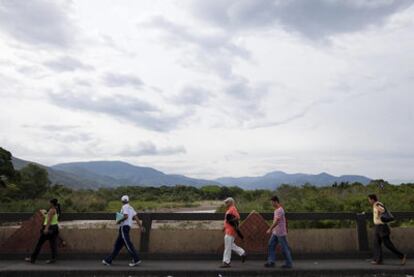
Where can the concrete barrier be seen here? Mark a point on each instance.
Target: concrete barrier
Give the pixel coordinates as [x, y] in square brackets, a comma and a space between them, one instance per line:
[302, 241]
[185, 241]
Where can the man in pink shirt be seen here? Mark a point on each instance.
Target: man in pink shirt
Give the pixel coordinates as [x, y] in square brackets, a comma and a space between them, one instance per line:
[279, 233]
[230, 233]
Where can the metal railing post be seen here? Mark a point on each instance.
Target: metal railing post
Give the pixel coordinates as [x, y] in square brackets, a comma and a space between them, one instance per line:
[145, 236]
[362, 231]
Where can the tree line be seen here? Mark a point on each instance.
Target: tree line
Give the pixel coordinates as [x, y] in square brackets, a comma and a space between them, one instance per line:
[28, 183]
[28, 189]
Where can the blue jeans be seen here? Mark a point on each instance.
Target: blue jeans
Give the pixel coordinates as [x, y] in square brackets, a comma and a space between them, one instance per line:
[273, 241]
[123, 240]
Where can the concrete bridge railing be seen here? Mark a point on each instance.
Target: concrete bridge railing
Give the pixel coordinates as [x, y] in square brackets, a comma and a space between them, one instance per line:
[361, 220]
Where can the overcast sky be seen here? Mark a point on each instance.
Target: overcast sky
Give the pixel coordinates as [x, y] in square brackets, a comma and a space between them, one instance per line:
[211, 88]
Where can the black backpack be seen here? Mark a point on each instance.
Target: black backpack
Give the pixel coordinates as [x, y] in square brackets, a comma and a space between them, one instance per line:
[234, 222]
[386, 216]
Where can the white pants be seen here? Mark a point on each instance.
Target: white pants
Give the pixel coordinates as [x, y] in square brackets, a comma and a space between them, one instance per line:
[229, 246]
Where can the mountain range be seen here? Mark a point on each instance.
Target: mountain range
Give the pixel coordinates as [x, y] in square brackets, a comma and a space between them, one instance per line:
[95, 174]
[276, 178]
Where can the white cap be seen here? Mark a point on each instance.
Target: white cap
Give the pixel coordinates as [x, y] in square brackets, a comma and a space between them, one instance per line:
[125, 198]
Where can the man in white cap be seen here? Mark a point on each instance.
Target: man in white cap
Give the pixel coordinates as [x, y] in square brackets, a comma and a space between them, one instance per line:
[123, 239]
[230, 232]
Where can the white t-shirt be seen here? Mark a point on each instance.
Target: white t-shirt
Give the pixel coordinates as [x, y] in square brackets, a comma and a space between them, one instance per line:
[127, 209]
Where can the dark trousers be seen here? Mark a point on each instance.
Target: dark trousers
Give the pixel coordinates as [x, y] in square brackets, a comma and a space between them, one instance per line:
[123, 240]
[51, 236]
[382, 235]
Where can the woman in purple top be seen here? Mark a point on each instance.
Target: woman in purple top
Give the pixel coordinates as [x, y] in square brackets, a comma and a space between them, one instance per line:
[279, 233]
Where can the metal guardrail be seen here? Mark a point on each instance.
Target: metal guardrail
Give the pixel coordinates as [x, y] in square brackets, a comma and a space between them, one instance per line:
[147, 219]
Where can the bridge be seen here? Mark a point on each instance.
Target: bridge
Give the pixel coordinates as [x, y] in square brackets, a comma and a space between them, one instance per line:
[194, 252]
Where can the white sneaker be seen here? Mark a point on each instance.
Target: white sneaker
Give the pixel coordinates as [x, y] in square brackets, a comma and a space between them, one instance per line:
[135, 263]
[105, 263]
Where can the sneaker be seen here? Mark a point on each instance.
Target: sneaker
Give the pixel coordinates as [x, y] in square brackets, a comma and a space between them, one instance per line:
[243, 258]
[52, 261]
[135, 263]
[404, 260]
[225, 265]
[269, 264]
[29, 260]
[285, 266]
[104, 262]
[376, 263]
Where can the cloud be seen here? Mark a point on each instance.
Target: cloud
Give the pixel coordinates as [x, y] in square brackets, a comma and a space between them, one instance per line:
[224, 76]
[52, 127]
[150, 149]
[192, 95]
[122, 80]
[62, 133]
[82, 82]
[213, 50]
[209, 49]
[313, 19]
[128, 108]
[302, 112]
[37, 22]
[245, 98]
[78, 138]
[66, 63]
[211, 41]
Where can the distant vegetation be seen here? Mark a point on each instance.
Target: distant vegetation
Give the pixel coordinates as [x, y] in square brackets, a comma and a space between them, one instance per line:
[29, 189]
[110, 174]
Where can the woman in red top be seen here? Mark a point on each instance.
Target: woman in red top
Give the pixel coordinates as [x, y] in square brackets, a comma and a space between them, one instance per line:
[230, 234]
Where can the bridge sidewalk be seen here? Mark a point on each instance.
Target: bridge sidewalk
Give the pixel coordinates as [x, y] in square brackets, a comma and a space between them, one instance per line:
[205, 268]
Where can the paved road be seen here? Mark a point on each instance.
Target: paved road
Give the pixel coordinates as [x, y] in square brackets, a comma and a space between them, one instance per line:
[205, 268]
